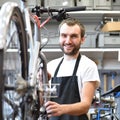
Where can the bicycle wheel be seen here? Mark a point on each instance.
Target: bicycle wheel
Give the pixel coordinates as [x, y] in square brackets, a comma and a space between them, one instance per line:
[13, 63]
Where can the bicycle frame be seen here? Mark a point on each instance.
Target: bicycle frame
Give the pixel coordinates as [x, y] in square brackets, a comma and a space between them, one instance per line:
[34, 41]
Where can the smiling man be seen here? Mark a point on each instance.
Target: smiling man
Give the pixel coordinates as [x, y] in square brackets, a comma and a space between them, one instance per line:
[77, 75]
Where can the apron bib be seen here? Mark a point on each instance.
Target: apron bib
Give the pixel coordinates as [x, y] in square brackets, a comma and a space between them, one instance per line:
[67, 92]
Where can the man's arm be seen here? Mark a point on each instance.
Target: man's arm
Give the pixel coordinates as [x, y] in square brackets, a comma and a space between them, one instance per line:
[79, 108]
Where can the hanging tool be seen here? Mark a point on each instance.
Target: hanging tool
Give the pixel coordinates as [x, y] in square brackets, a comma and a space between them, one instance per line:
[113, 74]
[105, 75]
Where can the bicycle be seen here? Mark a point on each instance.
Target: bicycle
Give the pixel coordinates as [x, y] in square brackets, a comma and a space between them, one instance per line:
[21, 59]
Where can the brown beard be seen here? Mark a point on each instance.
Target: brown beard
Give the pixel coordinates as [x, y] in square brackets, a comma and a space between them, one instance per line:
[73, 52]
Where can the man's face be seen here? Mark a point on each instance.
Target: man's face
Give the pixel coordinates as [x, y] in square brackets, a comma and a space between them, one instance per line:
[70, 39]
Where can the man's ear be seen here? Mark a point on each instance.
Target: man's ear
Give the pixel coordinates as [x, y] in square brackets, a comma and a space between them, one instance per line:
[82, 40]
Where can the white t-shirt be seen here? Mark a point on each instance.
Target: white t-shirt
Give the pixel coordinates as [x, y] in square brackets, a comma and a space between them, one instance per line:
[87, 70]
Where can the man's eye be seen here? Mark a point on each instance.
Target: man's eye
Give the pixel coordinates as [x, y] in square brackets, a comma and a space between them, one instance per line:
[63, 35]
[74, 36]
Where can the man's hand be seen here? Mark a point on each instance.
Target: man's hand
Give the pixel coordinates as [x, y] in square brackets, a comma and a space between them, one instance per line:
[39, 75]
[53, 109]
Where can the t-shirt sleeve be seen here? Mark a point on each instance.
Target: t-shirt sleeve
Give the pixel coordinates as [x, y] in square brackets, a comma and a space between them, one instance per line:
[91, 74]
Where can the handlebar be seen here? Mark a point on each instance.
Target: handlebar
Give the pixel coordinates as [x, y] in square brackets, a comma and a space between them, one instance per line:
[72, 9]
[61, 13]
[114, 90]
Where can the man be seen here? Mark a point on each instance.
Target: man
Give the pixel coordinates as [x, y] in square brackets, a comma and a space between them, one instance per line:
[77, 75]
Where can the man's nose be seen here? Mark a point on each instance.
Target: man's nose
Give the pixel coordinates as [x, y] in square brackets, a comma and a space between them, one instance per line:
[68, 39]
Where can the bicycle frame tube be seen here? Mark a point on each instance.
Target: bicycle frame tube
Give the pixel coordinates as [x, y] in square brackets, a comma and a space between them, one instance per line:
[28, 29]
[22, 5]
[34, 45]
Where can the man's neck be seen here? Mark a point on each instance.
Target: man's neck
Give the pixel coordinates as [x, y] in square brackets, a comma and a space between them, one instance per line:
[71, 57]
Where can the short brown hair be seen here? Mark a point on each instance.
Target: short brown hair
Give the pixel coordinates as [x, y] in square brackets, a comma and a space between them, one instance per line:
[73, 21]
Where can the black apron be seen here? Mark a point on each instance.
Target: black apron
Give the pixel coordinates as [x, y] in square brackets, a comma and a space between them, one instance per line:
[67, 92]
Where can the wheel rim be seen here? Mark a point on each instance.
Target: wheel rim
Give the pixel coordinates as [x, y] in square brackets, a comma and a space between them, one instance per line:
[11, 69]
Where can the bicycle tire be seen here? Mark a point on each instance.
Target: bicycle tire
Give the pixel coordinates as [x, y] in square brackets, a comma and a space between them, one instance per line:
[14, 62]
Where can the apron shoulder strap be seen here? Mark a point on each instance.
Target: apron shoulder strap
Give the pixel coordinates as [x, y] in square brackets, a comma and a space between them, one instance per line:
[56, 71]
[76, 64]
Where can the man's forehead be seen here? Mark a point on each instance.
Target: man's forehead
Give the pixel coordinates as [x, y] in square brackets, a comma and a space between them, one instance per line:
[65, 29]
